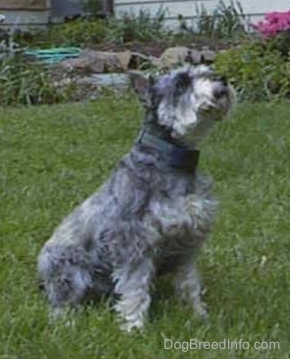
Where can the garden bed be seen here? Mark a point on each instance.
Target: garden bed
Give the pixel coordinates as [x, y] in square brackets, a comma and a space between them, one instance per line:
[156, 48]
[257, 64]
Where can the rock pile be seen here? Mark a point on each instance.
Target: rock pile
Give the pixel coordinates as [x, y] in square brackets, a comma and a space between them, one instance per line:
[96, 69]
[99, 62]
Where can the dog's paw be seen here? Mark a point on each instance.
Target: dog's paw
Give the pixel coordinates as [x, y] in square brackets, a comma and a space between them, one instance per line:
[132, 326]
[201, 312]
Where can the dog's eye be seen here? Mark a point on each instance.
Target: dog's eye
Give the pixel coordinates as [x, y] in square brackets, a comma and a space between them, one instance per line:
[183, 80]
[182, 83]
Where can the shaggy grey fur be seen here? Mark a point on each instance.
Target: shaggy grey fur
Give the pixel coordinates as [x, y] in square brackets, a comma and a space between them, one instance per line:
[149, 217]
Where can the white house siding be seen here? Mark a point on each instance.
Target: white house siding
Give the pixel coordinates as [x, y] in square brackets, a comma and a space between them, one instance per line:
[254, 9]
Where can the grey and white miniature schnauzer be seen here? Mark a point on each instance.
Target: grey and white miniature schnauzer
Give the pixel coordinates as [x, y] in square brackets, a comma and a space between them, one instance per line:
[153, 214]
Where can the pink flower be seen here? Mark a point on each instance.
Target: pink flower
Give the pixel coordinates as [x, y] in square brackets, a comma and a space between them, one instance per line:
[274, 23]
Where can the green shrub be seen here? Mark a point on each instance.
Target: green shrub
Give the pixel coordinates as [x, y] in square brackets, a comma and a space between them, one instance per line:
[257, 71]
[28, 83]
[141, 27]
[281, 43]
[85, 32]
[79, 32]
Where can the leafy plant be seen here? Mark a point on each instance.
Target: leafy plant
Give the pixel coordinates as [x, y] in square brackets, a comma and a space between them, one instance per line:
[281, 43]
[84, 32]
[231, 19]
[29, 83]
[79, 32]
[141, 27]
[9, 44]
[227, 20]
[256, 70]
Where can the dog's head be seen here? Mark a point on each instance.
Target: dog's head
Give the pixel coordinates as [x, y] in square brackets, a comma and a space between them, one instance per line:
[185, 103]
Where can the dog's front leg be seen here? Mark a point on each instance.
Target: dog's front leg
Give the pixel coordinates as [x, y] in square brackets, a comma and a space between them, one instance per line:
[188, 287]
[133, 284]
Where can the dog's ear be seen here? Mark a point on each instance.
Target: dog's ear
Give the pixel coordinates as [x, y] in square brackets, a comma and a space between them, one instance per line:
[183, 81]
[141, 85]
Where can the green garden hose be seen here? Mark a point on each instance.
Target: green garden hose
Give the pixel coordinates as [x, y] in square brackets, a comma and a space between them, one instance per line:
[54, 55]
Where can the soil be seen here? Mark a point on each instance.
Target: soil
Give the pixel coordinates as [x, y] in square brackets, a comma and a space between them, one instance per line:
[156, 48]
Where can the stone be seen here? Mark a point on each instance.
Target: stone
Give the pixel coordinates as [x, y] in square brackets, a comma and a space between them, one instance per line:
[104, 80]
[173, 56]
[124, 58]
[194, 57]
[91, 61]
[208, 56]
[139, 60]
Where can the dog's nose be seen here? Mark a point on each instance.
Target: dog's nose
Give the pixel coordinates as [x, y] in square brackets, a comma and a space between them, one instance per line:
[222, 79]
[220, 91]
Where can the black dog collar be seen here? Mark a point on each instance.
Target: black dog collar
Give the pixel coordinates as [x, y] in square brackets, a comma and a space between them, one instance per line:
[179, 157]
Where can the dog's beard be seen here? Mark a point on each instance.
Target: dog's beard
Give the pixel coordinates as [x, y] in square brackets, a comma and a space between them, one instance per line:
[193, 136]
[194, 119]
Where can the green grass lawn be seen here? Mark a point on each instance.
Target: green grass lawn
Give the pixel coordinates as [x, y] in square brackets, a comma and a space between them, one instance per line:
[52, 157]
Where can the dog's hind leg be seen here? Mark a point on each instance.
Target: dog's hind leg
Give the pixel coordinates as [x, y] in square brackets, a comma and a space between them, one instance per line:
[188, 287]
[132, 283]
[65, 275]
